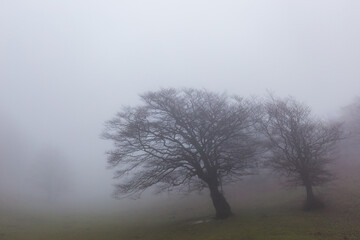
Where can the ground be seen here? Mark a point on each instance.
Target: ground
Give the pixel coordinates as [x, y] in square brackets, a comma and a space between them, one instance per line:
[274, 214]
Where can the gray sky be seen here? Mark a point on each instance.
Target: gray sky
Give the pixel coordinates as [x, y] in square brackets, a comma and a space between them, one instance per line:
[67, 66]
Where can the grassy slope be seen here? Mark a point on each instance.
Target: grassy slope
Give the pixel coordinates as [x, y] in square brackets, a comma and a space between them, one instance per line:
[269, 215]
[251, 224]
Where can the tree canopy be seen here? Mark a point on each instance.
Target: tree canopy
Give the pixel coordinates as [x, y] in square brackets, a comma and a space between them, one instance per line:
[188, 138]
[300, 146]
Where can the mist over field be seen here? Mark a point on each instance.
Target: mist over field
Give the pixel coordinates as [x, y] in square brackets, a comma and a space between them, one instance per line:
[67, 67]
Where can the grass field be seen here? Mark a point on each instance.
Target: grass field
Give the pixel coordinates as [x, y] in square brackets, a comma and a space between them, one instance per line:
[274, 214]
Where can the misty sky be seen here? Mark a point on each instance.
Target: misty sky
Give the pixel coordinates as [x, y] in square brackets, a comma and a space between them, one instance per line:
[67, 66]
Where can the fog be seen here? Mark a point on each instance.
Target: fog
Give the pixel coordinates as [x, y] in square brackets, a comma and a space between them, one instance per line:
[68, 66]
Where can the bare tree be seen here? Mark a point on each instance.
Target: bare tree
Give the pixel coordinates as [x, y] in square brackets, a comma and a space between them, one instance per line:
[300, 146]
[191, 139]
[51, 173]
[351, 118]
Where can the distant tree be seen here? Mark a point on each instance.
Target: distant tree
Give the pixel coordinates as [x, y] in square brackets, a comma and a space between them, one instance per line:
[12, 155]
[351, 117]
[51, 173]
[300, 146]
[192, 139]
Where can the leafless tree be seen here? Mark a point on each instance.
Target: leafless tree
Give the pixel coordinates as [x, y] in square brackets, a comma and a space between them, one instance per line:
[51, 173]
[191, 139]
[300, 146]
[351, 118]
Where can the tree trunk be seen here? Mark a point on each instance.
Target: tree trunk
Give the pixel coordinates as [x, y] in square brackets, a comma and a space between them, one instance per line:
[310, 198]
[222, 207]
[311, 203]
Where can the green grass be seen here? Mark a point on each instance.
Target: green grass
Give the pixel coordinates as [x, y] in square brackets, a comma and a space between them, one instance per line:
[259, 215]
[250, 224]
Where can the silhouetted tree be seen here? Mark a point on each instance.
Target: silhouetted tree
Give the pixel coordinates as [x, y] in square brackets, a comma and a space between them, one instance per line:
[300, 146]
[183, 138]
[51, 173]
[351, 117]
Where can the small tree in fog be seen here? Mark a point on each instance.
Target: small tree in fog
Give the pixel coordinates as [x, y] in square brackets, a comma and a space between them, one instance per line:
[300, 146]
[192, 139]
[351, 118]
[51, 174]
